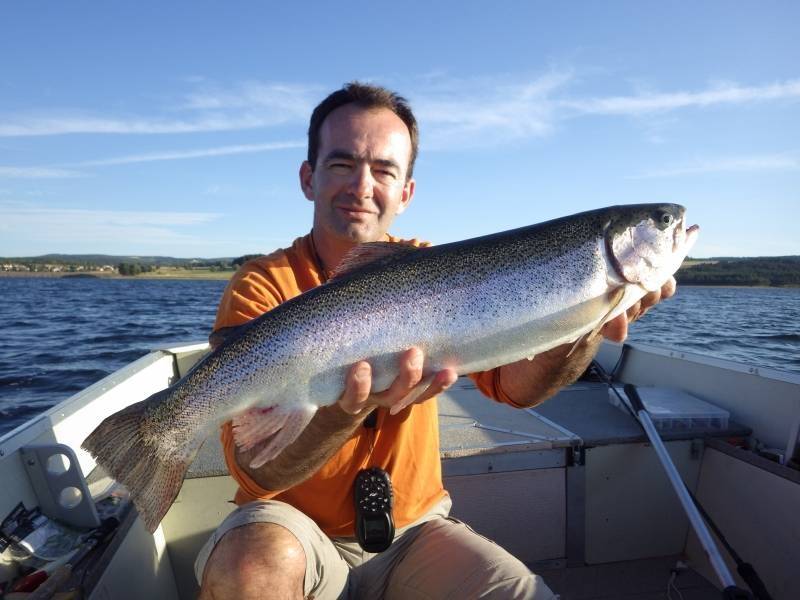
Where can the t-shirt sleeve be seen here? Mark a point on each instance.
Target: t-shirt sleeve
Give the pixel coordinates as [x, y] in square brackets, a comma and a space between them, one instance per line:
[490, 384]
[249, 295]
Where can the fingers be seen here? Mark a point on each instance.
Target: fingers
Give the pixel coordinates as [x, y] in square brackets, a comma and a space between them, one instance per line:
[441, 381]
[649, 300]
[438, 384]
[407, 388]
[616, 329]
[408, 378]
[410, 374]
[357, 387]
[669, 288]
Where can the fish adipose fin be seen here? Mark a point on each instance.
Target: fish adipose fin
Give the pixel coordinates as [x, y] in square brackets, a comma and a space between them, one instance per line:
[270, 429]
[371, 252]
[614, 298]
[151, 467]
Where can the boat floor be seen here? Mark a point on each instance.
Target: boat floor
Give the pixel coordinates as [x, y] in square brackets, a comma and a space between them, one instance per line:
[644, 579]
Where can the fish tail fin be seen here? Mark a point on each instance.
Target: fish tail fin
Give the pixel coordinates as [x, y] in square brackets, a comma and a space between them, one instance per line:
[150, 465]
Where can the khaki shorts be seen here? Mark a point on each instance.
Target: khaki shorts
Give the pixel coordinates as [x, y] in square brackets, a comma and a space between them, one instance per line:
[435, 557]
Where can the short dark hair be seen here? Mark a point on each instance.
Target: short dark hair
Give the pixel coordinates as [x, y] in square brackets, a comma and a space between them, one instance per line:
[367, 97]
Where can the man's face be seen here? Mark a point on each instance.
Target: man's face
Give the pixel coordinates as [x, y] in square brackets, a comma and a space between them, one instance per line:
[359, 183]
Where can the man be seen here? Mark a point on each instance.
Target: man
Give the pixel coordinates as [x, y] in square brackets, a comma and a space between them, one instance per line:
[292, 535]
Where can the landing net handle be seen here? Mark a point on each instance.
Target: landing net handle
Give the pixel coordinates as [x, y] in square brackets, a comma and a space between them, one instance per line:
[730, 590]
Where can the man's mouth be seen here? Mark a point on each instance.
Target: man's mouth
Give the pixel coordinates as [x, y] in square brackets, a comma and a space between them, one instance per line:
[354, 211]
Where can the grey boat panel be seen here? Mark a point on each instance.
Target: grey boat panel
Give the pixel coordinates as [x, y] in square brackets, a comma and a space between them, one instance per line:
[631, 510]
[757, 511]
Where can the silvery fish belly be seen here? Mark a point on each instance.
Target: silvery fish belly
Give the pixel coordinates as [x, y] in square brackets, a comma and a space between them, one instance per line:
[470, 305]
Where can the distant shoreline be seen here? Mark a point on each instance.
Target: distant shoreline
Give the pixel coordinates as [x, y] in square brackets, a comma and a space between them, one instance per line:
[188, 275]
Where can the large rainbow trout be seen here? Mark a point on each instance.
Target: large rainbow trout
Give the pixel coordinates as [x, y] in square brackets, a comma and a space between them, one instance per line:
[469, 305]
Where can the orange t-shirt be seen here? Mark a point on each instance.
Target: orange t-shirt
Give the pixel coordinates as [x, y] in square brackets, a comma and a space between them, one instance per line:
[405, 445]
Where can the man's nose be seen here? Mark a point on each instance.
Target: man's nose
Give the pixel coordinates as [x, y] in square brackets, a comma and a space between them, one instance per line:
[361, 182]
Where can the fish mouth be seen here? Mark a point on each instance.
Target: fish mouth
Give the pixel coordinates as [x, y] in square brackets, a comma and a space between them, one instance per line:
[691, 235]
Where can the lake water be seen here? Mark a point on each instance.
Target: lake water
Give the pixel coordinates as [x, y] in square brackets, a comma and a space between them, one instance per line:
[60, 335]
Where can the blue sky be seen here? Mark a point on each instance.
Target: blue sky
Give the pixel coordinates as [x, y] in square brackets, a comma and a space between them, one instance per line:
[177, 128]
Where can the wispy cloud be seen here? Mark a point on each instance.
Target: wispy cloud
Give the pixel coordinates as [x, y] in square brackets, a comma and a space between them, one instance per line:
[26, 125]
[53, 173]
[453, 112]
[728, 164]
[54, 226]
[480, 112]
[287, 99]
[199, 153]
[248, 105]
[652, 102]
[37, 173]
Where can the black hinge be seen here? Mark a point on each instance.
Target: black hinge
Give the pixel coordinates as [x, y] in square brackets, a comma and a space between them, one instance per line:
[576, 457]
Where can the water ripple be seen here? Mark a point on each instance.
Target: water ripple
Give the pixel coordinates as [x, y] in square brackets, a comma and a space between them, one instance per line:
[62, 335]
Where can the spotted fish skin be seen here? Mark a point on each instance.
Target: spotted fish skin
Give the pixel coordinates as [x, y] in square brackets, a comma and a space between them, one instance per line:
[469, 305]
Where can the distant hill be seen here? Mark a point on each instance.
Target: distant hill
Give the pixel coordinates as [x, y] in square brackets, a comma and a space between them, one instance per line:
[774, 271]
[108, 259]
[721, 270]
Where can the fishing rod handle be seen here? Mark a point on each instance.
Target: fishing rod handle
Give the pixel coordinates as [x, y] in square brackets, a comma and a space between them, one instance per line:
[736, 593]
[696, 521]
[633, 396]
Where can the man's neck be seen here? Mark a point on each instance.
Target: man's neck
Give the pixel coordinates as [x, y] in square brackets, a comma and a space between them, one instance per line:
[331, 251]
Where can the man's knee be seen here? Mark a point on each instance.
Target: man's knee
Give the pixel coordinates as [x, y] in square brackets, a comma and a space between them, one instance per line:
[253, 558]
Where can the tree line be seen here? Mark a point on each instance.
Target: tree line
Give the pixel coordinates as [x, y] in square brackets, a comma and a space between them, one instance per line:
[775, 272]
[128, 269]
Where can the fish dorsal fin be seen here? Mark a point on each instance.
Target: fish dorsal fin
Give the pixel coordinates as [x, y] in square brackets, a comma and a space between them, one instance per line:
[369, 253]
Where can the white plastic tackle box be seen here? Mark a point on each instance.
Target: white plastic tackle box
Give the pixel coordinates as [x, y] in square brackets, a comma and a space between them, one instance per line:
[675, 410]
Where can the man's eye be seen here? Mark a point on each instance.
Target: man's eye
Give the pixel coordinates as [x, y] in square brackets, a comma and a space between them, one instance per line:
[385, 175]
[339, 167]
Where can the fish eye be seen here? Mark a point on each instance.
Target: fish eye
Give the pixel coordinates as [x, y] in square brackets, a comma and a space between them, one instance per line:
[663, 219]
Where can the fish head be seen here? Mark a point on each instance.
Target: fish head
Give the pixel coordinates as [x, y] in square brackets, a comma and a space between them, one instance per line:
[647, 243]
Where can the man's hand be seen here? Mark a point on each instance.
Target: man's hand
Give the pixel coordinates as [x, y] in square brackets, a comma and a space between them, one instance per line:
[529, 383]
[617, 329]
[408, 387]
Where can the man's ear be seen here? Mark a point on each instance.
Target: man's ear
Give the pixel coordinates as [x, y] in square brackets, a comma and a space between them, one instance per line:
[306, 180]
[408, 194]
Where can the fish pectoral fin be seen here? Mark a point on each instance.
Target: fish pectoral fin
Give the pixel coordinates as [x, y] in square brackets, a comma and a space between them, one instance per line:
[272, 431]
[371, 252]
[615, 297]
[585, 336]
[256, 425]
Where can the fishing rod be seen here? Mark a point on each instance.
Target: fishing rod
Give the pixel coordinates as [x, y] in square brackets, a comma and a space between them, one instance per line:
[690, 504]
[730, 590]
